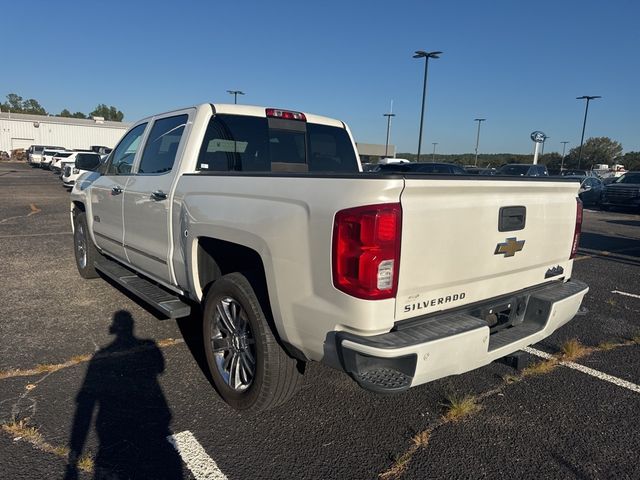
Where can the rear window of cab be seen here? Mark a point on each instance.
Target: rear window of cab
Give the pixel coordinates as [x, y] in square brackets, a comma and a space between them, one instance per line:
[255, 144]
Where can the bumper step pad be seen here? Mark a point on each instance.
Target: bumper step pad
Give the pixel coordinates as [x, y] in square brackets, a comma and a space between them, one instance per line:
[383, 380]
[168, 303]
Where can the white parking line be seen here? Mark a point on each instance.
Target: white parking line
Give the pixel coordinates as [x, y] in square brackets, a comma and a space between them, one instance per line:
[625, 293]
[589, 371]
[193, 454]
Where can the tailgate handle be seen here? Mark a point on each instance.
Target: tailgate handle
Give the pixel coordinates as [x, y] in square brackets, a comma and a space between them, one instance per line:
[511, 219]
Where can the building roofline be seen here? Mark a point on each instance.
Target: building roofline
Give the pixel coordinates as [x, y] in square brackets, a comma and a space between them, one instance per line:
[90, 122]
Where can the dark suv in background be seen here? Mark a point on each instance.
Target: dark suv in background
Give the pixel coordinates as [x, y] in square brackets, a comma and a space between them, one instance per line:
[523, 170]
[415, 167]
[624, 192]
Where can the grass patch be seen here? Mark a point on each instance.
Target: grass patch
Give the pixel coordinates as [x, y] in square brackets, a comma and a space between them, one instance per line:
[21, 430]
[606, 346]
[421, 439]
[611, 301]
[540, 368]
[86, 463]
[573, 349]
[400, 464]
[509, 379]
[458, 407]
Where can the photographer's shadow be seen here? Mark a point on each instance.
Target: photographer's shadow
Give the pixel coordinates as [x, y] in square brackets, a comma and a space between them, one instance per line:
[131, 413]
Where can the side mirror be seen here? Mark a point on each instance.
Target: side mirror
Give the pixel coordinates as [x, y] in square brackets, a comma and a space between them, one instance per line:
[87, 162]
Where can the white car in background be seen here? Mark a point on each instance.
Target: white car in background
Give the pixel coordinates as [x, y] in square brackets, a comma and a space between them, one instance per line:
[70, 172]
[58, 158]
[34, 153]
[47, 157]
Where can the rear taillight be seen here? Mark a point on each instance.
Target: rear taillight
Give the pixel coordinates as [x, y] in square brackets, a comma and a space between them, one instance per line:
[366, 250]
[577, 229]
[285, 114]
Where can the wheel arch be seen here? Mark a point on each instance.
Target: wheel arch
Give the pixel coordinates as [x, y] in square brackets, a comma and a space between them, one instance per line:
[215, 257]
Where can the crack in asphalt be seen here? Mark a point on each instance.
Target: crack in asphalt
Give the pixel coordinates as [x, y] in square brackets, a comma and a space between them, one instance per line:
[34, 209]
[54, 367]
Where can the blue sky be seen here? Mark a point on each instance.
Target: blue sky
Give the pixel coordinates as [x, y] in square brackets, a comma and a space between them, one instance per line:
[518, 64]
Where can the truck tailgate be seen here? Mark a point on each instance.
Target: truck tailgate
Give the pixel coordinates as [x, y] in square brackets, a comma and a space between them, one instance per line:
[453, 253]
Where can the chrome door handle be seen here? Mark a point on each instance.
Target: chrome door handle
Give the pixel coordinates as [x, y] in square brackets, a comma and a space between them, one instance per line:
[117, 190]
[158, 195]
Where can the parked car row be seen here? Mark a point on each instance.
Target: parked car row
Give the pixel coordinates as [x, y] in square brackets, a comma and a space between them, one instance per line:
[607, 192]
[51, 157]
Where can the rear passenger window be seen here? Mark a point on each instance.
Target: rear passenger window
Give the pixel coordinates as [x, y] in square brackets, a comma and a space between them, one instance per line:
[160, 151]
[235, 142]
[330, 149]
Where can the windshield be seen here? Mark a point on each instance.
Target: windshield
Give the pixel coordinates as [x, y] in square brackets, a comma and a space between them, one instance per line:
[629, 178]
[514, 169]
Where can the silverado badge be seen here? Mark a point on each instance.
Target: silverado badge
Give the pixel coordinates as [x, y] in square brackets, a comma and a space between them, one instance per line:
[509, 247]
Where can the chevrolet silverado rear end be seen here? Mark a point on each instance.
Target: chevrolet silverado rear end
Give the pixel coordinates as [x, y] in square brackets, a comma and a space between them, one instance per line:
[479, 270]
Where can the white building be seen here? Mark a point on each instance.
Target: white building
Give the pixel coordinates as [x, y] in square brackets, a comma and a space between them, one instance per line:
[19, 130]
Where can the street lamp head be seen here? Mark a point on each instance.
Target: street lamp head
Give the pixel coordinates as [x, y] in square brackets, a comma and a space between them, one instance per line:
[479, 119]
[588, 97]
[422, 53]
[388, 114]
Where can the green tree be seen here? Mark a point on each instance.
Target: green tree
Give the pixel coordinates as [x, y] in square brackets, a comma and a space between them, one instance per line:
[595, 150]
[13, 103]
[552, 160]
[33, 107]
[630, 160]
[108, 113]
[65, 113]
[16, 104]
[79, 115]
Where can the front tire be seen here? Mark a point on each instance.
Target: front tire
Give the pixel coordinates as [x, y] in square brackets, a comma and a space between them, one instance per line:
[250, 370]
[83, 247]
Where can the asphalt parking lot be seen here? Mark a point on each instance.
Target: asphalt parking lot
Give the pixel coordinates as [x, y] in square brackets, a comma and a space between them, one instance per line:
[136, 404]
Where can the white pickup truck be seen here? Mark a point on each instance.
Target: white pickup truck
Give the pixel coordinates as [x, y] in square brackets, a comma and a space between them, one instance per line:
[264, 218]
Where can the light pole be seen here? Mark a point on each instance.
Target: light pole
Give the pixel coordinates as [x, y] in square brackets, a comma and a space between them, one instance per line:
[235, 94]
[426, 56]
[479, 120]
[564, 146]
[388, 115]
[588, 98]
[433, 155]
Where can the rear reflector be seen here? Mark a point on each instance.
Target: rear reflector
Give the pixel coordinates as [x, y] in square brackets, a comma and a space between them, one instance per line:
[577, 229]
[366, 250]
[285, 114]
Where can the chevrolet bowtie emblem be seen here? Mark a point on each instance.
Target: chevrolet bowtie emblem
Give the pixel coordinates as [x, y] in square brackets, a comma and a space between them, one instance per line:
[509, 247]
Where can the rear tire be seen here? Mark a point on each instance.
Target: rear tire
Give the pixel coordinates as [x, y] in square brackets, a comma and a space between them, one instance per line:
[250, 370]
[85, 251]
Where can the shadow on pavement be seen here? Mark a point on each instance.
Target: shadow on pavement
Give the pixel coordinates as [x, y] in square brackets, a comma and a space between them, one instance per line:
[132, 417]
[620, 249]
[628, 223]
